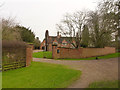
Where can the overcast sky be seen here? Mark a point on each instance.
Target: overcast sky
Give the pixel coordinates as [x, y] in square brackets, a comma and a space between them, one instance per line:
[42, 15]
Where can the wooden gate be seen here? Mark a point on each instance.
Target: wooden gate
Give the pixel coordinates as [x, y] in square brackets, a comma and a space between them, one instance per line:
[13, 57]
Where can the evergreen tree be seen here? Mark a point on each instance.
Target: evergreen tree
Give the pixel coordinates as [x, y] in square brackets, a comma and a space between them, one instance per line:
[37, 43]
[26, 34]
[85, 36]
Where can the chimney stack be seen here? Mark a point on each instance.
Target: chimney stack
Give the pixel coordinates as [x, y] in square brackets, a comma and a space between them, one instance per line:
[58, 35]
[46, 40]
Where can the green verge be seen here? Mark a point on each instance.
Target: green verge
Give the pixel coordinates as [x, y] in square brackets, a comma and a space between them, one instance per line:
[40, 75]
[104, 84]
[0, 80]
[93, 58]
[43, 54]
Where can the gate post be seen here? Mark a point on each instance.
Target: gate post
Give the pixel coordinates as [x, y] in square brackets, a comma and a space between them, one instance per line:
[29, 51]
[54, 51]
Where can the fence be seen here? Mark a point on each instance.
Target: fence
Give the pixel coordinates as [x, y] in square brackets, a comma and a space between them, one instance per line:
[14, 55]
[59, 52]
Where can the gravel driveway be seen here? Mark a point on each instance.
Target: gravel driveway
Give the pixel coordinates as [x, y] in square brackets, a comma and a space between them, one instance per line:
[92, 70]
[37, 50]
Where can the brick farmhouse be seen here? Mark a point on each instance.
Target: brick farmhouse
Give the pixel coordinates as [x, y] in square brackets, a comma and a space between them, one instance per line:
[58, 40]
[62, 47]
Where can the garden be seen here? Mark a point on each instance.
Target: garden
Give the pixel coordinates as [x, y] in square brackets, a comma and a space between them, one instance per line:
[45, 75]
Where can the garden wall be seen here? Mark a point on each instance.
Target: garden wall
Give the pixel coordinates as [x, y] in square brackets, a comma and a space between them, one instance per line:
[59, 52]
[15, 54]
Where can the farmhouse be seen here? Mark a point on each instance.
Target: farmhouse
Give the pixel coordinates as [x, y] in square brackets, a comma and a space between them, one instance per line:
[58, 40]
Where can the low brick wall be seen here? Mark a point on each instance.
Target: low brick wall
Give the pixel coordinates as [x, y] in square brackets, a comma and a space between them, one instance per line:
[81, 52]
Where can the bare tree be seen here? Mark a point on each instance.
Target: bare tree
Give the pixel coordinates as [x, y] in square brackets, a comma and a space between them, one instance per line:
[109, 13]
[1, 4]
[103, 23]
[9, 31]
[79, 21]
[67, 27]
[71, 26]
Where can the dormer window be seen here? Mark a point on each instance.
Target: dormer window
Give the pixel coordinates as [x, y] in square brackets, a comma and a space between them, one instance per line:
[64, 43]
[55, 43]
[44, 44]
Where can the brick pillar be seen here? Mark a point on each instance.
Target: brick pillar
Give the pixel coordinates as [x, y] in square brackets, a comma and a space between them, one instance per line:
[31, 45]
[29, 51]
[54, 51]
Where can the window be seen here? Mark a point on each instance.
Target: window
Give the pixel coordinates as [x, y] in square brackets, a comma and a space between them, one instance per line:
[58, 51]
[55, 43]
[44, 44]
[43, 48]
[64, 43]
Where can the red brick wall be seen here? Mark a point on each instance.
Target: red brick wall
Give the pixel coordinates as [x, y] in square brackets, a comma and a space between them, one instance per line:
[90, 52]
[70, 53]
[54, 52]
[29, 51]
[81, 52]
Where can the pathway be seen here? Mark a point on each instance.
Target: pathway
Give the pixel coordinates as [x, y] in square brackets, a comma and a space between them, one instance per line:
[92, 70]
[37, 50]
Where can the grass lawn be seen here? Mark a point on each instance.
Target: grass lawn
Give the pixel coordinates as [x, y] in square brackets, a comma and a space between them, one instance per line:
[42, 54]
[0, 80]
[104, 84]
[40, 75]
[93, 58]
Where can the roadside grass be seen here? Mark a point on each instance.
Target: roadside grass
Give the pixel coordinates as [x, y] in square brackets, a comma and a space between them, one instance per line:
[104, 84]
[93, 58]
[40, 75]
[43, 54]
[0, 80]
